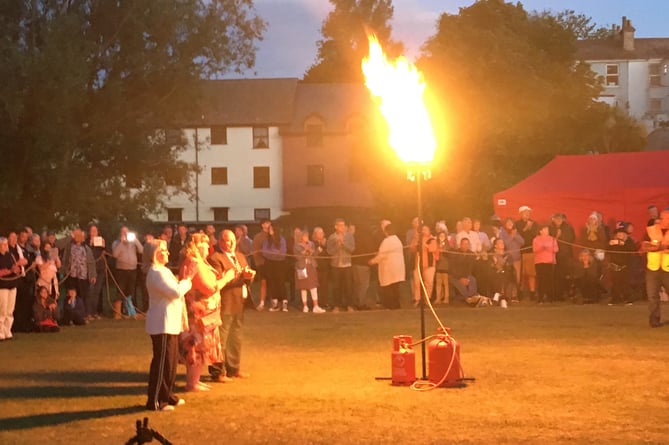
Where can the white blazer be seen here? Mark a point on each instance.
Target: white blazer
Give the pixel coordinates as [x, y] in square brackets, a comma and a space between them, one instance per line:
[166, 302]
[390, 260]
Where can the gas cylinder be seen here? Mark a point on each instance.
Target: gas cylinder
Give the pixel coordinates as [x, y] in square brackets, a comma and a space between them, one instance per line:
[400, 341]
[443, 355]
[403, 361]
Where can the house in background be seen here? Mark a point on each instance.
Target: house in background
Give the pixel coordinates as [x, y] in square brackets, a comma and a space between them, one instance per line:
[239, 150]
[325, 148]
[634, 71]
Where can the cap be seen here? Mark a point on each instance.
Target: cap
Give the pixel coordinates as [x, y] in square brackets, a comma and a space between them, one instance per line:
[621, 226]
[524, 208]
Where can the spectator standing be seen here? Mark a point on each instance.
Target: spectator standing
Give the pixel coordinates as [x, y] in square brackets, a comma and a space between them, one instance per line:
[621, 251]
[274, 252]
[390, 259]
[429, 255]
[259, 260]
[441, 270]
[545, 248]
[244, 243]
[364, 250]
[340, 246]
[125, 250]
[593, 235]
[513, 243]
[178, 248]
[10, 270]
[323, 262]
[565, 237]
[79, 267]
[527, 228]
[98, 246]
[306, 275]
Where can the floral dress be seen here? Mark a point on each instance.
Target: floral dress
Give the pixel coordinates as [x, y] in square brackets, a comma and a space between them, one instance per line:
[201, 343]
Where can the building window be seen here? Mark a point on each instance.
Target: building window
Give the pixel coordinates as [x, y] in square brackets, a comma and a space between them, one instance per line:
[260, 137]
[175, 214]
[315, 175]
[314, 135]
[219, 175]
[612, 78]
[260, 177]
[259, 214]
[220, 213]
[219, 135]
[655, 74]
[655, 106]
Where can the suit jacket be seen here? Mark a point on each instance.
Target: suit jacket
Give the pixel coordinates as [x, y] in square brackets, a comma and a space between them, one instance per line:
[232, 294]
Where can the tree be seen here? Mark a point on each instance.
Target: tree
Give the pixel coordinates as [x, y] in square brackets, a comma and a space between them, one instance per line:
[514, 96]
[344, 42]
[85, 85]
[579, 25]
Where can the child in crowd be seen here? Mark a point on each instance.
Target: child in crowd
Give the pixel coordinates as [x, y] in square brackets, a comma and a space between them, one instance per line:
[587, 275]
[73, 309]
[44, 311]
[502, 276]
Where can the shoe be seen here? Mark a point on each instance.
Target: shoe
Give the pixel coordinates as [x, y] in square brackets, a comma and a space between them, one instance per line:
[305, 309]
[180, 402]
[275, 306]
[318, 310]
[350, 309]
[284, 306]
[240, 375]
[197, 388]
[260, 307]
[335, 310]
[221, 379]
[167, 408]
[203, 385]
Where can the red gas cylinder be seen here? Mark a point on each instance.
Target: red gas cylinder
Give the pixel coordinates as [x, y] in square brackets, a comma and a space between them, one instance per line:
[400, 341]
[443, 355]
[403, 367]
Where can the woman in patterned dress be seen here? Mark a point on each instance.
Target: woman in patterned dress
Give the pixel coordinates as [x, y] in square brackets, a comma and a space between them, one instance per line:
[200, 344]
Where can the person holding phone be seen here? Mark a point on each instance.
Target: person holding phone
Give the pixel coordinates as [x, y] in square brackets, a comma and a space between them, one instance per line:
[125, 250]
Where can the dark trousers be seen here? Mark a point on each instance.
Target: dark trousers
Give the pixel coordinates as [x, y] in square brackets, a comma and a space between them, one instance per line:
[163, 371]
[341, 279]
[231, 342]
[23, 310]
[545, 281]
[276, 279]
[621, 291]
[126, 280]
[390, 296]
[655, 279]
[323, 275]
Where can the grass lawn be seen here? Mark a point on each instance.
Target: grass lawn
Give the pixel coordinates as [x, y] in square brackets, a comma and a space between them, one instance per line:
[544, 374]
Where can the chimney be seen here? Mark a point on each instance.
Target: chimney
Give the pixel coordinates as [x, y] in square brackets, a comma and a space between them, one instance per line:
[627, 32]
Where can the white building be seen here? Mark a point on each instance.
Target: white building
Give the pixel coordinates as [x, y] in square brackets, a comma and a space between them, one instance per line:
[238, 151]
[634, 72]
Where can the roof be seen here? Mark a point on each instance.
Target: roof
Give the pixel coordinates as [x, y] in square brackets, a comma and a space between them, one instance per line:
[606, 173]
[334, 103]
[612, 49]
[243, 102]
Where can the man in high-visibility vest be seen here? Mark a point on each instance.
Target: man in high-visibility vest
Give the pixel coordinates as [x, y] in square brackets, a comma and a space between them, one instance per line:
[656, 246]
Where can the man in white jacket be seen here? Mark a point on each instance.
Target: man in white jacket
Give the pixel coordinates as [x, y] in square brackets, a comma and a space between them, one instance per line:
[391, 267]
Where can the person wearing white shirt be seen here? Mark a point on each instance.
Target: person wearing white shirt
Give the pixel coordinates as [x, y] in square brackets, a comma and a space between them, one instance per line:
[165, 320]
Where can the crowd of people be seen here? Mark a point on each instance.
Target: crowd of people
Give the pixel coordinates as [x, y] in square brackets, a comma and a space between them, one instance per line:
[194, 286]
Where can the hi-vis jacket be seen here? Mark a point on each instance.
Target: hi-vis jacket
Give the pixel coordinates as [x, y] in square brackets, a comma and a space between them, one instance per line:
[658, 259]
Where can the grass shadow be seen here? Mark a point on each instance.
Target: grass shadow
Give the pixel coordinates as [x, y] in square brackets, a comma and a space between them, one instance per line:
[84, 377]
[69, 391]
[51, 419]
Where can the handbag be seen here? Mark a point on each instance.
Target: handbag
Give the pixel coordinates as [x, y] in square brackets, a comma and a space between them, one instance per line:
[301, 273]
[210, 321]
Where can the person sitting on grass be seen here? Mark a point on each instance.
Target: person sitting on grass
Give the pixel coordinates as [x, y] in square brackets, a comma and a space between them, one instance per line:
[44, 311]
[73, 309]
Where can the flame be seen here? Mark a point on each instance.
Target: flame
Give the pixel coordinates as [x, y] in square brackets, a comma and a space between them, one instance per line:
[399, 88]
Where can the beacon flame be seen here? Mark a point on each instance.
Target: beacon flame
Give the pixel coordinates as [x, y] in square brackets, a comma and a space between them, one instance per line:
[398, 87]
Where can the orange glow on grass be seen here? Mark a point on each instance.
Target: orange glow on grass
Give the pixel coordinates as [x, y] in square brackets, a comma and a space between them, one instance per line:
[398, 87]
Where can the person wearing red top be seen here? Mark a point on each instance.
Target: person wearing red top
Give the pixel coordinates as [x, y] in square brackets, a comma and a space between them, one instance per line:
[545, 247]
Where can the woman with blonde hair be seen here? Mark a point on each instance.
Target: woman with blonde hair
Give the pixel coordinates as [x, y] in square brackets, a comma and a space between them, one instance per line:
[201, 343]
[164, 322]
